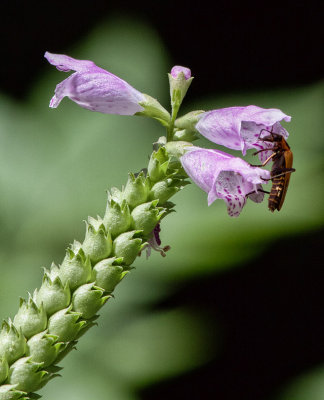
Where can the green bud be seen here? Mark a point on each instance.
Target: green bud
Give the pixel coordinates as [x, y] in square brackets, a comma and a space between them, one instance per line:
[136, 190]
[185, 135]
[26, 375]
[117, 217]
[188, 121]
[158, 164]
[146, 216]
[9, 392]
[65, 324]
[75, 269]
[153, 109]
[97, 243]
[165, 189]
[107, 275]
[178, 88]
[53, 272]
[177, 148]
[52, 294]
[12, 342]
[128, 245]
[88, 299]
[4, 369]
[43, 348]
[30, 318]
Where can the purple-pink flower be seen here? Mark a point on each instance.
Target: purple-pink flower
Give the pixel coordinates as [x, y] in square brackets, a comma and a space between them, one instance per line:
[224, 176]
[242, 128]
[175, 71]
[94, 88]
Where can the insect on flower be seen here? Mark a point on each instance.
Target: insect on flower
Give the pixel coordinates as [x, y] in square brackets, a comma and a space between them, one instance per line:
[281, 170]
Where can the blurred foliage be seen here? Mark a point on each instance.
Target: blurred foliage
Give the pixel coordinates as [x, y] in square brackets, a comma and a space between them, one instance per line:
[54, 168]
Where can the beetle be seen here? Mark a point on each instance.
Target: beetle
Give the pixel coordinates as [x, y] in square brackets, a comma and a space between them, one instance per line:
[281, 170]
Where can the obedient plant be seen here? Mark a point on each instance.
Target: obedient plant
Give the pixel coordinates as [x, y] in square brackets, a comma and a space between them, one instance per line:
[49, 323]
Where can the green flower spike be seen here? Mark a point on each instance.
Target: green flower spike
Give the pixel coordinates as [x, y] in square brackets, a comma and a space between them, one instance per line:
[27, 375]
[146, 216]
[128, 245]
[44, 348]
[30, 318]
[117, 217]
[136, 190]
[52, 294]
[97, 243]
[75, 268]
[88, 299]
[12, 342]
[108, 273]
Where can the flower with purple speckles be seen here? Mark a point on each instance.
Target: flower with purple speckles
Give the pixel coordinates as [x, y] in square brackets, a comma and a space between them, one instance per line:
[242, 128]
[224, 176]
[154, 242]
[177, 69]
[94, 88]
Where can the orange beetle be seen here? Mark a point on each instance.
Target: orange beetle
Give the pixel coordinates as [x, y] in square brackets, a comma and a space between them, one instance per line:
[281, 170]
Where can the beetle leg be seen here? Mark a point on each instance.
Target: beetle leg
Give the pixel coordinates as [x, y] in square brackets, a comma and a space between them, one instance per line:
[260, 190]
[283, 171]
[266, 161]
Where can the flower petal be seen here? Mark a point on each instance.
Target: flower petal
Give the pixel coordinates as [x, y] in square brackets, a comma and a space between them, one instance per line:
[175, 71]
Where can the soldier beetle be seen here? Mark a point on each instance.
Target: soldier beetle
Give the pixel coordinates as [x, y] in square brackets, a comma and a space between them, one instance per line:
[281, 170]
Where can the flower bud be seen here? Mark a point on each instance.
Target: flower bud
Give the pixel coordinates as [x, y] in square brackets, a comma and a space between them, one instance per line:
[12, 342]
[165, 189]
[97, 243]
[107, 275]
[26, 375]
[117, 217]
[180, 79]
[153, 109]
[88, 299]
[65, 324]
[186, 135]
[136, 190]
[75, 269]
[4, 369]
[8, 392]
[30, 318]
[128, 246]
[53, 295]
[146, 216]
[43, 348]
[158, 164]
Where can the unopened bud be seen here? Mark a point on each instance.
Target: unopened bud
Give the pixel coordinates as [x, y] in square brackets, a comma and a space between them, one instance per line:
[128, 245]
[146, 216]
[30, 318]
[107, 275]
[117, 217]
[97, 243]
[136, 189]
[43, 348]
[75, 269]
[26, 375]
[12, 342]
[88, 299]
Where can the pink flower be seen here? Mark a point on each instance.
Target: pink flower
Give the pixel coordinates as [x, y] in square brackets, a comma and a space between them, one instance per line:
[242, 128]
[93, 88]
[225, 177]
[177, 69]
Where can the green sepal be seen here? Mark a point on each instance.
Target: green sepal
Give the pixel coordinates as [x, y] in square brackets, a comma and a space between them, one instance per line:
[136, 190]
[88, 299]
[128, 245]
[165, 189]
[53, 294]
[9, 392]
[97, 243]
[4, 369]
[89, 323]
[178, 89]
[107, 274]
[146, 216]
[12, 342]
[75, 268]
[65, 351]
[65, 324]
[178, 148]
[153, 109]
[117, 217]
[158, 164]
[27, 375]
[30, 318]
[44, 348]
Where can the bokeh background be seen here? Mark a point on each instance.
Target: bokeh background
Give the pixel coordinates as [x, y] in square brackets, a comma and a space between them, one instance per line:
[235, 310]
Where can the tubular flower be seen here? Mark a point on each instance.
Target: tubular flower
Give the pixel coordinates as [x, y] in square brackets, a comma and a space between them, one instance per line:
[224, 176]
[242, 128]
[94, 88]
